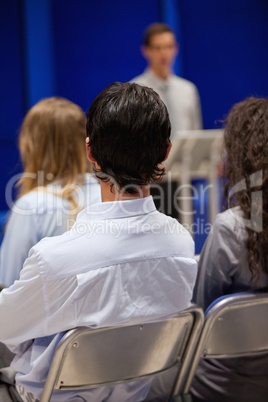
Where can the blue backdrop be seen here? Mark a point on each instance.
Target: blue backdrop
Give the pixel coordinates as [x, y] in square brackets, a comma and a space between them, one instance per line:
[74, 48]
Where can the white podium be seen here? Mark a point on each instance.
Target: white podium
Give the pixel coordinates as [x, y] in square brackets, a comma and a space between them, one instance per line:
[195, 155]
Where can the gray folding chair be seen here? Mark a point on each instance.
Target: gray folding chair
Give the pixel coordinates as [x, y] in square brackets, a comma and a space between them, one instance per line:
[235, 326]
[86, 358]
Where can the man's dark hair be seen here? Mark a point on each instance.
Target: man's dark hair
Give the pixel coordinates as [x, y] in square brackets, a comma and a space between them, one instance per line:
[155, 29]
[129, 133]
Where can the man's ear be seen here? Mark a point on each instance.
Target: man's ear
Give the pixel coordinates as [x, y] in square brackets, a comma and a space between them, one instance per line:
[168, 151]
[88, 149]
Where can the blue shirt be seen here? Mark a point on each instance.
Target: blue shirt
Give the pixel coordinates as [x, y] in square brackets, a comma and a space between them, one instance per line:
[122, 262]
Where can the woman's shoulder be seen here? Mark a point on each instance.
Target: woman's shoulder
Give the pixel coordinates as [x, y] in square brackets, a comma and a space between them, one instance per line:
[231, 221]
[25, 200]
[230, 217]
[38, 200]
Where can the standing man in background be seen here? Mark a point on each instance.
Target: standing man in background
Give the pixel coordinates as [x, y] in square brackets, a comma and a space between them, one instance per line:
[181, 96]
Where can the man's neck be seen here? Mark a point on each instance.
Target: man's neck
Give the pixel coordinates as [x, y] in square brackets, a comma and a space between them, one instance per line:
[108, 195]
[163, 73]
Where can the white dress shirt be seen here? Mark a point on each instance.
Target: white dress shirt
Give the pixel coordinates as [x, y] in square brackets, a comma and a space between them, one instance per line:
[36, 215]
[181, 98]
[122, 262]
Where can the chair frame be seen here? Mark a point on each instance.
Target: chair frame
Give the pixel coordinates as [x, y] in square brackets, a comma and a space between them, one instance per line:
[216, 336]
[187, 327]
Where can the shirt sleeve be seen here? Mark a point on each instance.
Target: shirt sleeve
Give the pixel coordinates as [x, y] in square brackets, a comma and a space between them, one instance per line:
[21, 234]
[22, 307]
[197, 120]
[217, 265]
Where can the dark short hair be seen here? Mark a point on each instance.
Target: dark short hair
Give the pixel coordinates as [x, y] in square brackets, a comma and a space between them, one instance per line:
[155, 29]
[129, 133]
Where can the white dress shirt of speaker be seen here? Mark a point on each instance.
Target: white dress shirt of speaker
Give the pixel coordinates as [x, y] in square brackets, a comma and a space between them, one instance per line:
[181, 96]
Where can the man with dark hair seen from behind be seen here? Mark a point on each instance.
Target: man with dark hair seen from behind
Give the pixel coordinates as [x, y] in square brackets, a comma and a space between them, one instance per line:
[180, 95]
[122, 262]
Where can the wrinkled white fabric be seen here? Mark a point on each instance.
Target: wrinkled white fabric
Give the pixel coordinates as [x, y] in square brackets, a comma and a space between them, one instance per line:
[122, 262]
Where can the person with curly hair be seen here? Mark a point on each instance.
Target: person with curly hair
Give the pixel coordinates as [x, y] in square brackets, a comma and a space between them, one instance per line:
[235, 255]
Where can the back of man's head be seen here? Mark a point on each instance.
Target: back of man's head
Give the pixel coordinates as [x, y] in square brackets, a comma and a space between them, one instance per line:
[129, 135]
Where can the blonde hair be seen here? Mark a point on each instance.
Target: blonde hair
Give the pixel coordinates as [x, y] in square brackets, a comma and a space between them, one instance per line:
[52, 147]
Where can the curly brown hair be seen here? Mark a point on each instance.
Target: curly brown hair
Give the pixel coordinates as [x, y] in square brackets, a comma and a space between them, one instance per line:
[246, 162]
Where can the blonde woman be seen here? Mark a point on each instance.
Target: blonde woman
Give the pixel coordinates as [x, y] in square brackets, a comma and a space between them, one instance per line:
[55, 185]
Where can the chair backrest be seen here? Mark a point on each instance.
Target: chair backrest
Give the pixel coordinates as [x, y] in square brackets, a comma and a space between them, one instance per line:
[86, 358]
[235, 326]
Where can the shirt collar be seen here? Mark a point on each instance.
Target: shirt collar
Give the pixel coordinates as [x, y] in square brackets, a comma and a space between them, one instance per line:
[117, 209]
[157, 82]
